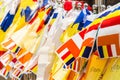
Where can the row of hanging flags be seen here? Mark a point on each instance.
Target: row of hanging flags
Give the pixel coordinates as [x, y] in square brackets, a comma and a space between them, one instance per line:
[101, 35]
[21, 30]
[100, 39]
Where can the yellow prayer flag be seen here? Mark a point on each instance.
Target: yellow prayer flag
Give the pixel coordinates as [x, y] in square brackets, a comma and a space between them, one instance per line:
[69, 32]
[113, 70]
[95, 67]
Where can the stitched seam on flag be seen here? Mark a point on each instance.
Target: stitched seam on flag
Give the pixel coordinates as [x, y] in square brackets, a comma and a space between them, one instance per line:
[105, 51]
[82, 51]
[102, 56]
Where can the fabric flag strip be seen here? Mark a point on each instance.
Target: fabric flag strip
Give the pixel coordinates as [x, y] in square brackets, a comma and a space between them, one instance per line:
[49, 16]
[11, 64]
[33, 65]
[71, 49]
[8, 61]
[81, 19]
[11, 45]
[5, 73]
[91, 34]
[35, 15]
[21, 54]
[75, 47]
[85, 42]
[9, 16]
[43, 21]
[7, 21]
[89, 39]
[75, 65]
[108, 36]
[25, 57]
[6, 58]
[17, 72]
[26, 13]
[84, 22]
[52, 20]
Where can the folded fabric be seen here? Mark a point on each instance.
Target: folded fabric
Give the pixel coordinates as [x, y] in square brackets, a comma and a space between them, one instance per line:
[7, 21]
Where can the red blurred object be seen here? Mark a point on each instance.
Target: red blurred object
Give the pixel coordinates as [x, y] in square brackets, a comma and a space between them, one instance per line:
[89, 8]
[68, 5]
[35, 0]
